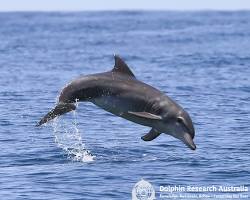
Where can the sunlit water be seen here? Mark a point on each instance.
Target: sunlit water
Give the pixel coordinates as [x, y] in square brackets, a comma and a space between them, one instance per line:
[200, 59]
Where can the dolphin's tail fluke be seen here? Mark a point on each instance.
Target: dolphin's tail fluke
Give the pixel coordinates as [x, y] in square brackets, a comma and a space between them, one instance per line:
[60, 109]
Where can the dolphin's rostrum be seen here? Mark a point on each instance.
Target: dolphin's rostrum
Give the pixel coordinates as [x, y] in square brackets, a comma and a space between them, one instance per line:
[121, 93]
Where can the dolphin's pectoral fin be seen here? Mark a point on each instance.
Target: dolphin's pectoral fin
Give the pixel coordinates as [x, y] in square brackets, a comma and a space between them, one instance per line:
[145, 115]
[60, 109]
[151, 135]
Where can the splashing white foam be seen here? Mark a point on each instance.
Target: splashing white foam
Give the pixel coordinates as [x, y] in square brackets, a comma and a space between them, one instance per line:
[68, 137]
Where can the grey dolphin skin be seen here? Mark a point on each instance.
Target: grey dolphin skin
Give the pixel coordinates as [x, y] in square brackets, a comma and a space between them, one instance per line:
[119, 92]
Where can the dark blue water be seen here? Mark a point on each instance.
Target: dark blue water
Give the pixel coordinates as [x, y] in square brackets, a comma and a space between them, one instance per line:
[200, 59]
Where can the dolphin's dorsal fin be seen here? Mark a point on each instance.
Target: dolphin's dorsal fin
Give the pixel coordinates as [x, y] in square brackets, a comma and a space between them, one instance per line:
[122, 67]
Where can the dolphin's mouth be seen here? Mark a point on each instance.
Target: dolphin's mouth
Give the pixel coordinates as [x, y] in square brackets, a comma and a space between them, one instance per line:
[187, 139]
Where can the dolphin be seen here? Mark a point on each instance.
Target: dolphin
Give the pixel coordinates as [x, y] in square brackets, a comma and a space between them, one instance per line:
[119, 92]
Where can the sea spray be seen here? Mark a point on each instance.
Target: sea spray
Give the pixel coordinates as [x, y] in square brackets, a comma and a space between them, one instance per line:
[68, 138]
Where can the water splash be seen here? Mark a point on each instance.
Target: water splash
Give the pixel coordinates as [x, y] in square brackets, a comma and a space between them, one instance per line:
[68, 138]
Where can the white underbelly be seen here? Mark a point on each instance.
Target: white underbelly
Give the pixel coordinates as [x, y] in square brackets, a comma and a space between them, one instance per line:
[114, 105]
[120, 107]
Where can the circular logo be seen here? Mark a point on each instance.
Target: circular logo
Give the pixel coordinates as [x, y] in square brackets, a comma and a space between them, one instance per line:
[143, 190]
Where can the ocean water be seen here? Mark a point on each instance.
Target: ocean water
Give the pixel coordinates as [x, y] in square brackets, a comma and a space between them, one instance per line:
[200, 59]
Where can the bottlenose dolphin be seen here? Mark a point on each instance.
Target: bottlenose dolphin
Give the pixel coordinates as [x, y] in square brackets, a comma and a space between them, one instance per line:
[119, 92]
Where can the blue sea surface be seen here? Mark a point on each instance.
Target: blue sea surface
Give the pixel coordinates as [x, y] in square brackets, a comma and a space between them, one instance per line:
[200, 59]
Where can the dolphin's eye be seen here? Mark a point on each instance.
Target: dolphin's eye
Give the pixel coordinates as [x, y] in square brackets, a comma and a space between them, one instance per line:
[179, 120]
